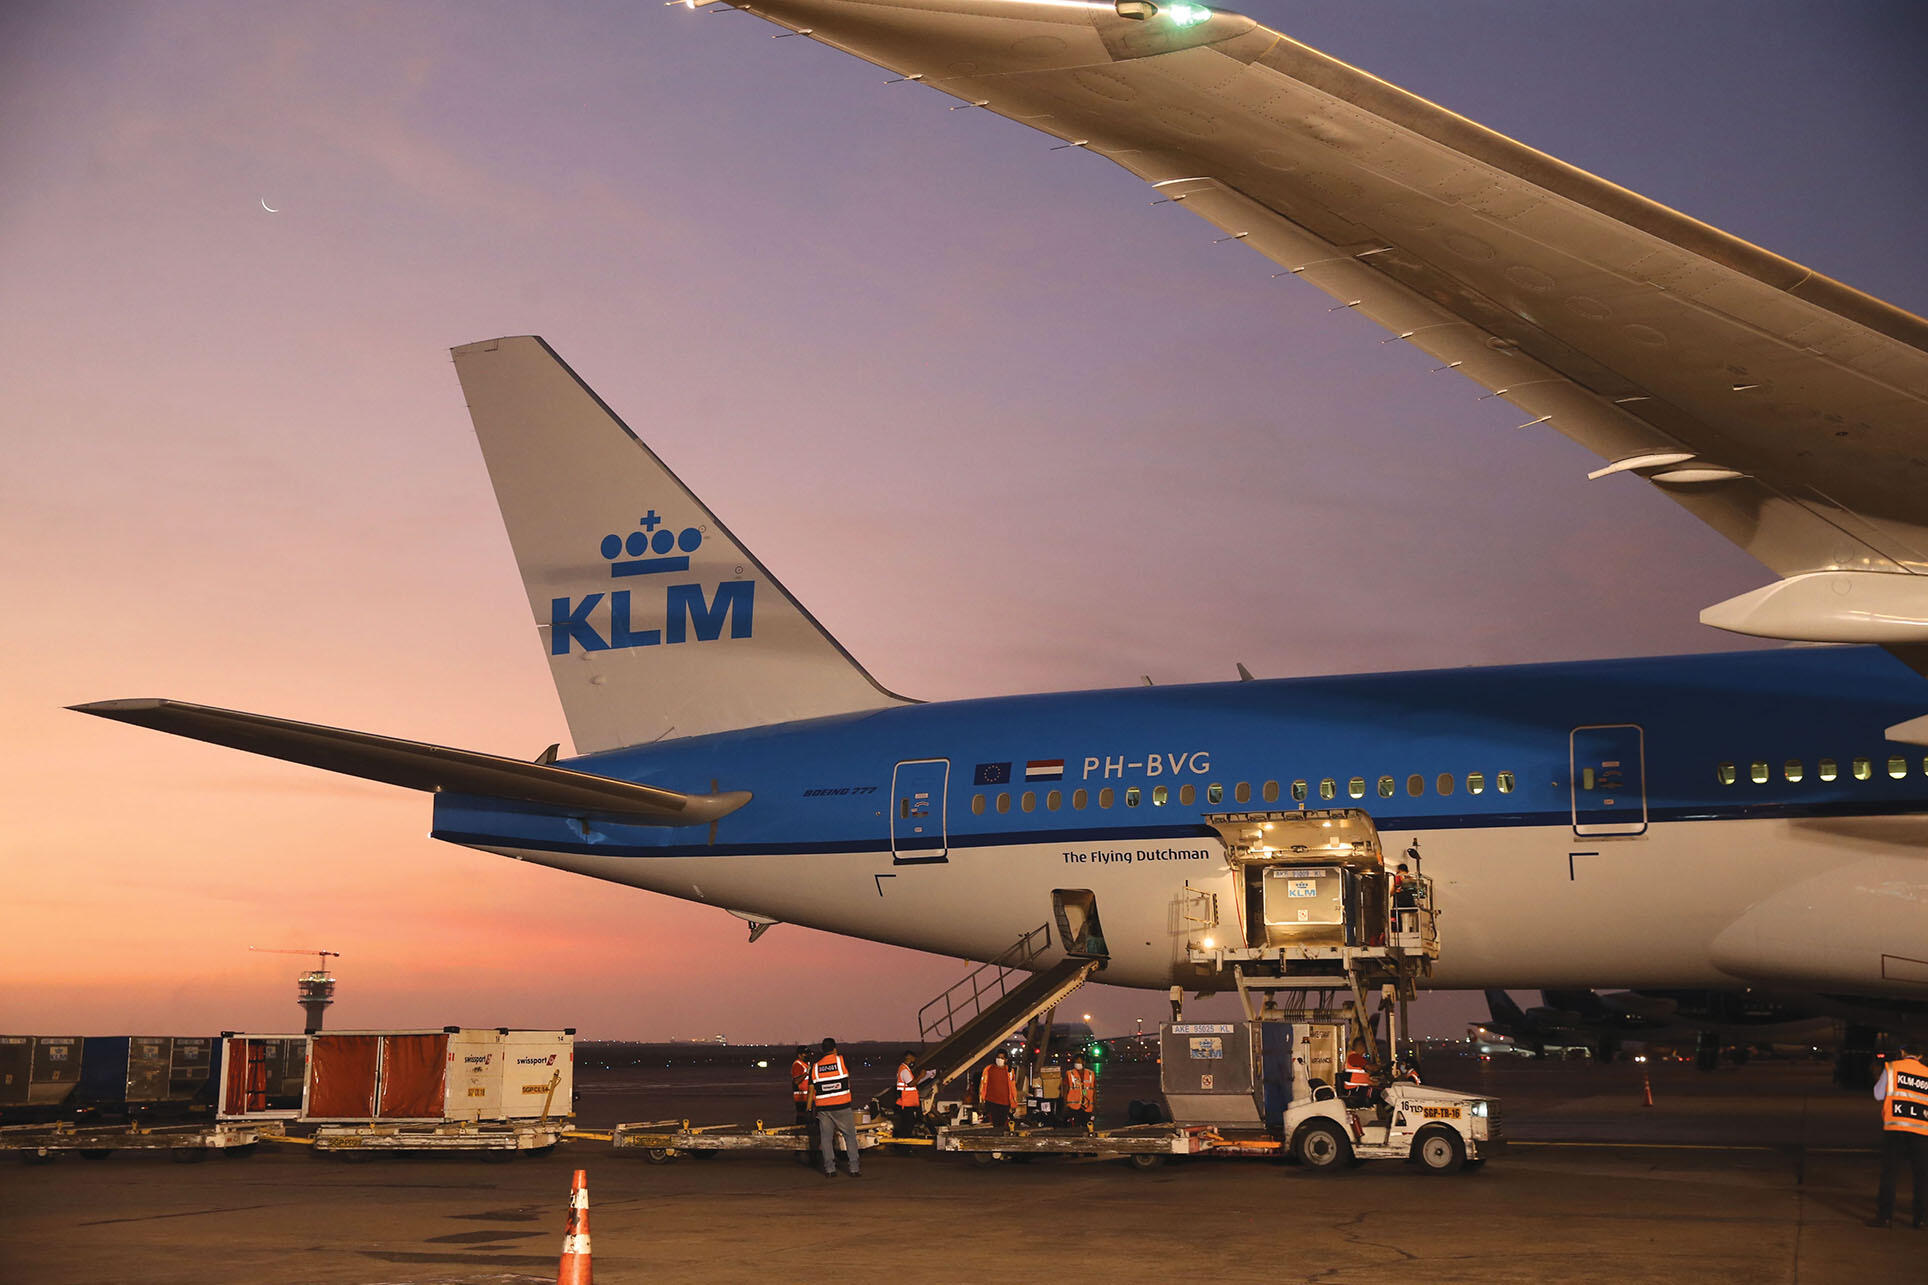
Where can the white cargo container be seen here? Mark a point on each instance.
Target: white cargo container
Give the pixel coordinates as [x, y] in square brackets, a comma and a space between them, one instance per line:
[510, 1075]
[456, 1074]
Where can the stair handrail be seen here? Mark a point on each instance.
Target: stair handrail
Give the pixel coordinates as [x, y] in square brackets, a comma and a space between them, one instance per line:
[990, 979]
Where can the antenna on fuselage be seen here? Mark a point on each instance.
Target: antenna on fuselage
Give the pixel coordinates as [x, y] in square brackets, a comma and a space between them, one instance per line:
[1244, 674]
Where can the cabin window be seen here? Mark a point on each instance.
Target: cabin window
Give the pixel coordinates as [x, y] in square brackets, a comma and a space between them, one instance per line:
[1476, 782]
[1131, 796]
[1793, 770]
[1003, 803]
[1105, 797]
[1054, 800]
[1271, 792]
[1186, 793]
[1505, 782]
[1356, 787]
[1328, 788]
[1215, 793]
[1243, 792]
[1825, 769]
[1160, 795]
[1757, 772]
[1298, 791]
[1385, 787]
[1029, 801]
[1444, 783]
[1078, 800]
[1725, 773]
[1415, 785]
[1897, 767]
[1863, 769]
[977, 805]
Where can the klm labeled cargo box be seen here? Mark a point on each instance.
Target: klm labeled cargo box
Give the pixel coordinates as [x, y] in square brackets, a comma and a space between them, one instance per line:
[1209, 1072]
[352, 1077]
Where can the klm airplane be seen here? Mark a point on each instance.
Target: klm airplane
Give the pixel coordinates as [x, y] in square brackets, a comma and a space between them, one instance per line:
[1749, 820]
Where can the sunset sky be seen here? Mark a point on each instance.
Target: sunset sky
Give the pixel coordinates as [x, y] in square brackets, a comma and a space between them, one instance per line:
[998, 422]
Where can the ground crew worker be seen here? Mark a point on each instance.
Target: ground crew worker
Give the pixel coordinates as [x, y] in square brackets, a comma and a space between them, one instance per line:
[1405, 900]
[1080, 1093]
[996, 1093]
[830, 1098]
[1902, 1092]
[800, 1099]
[907, 1100]
[1358, 1084]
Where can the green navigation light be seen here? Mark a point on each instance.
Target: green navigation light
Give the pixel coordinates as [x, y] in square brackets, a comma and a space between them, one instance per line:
[1187, 15]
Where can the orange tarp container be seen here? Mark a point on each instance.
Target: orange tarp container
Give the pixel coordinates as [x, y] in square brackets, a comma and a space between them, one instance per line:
[341, 1077]
[414, 1076]
[243, 1063]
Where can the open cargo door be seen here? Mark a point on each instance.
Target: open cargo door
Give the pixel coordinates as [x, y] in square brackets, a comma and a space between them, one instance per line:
[263, 1076]
[1296, 874]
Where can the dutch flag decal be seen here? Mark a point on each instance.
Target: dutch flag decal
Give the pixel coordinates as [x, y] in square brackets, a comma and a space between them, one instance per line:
[1044, 770]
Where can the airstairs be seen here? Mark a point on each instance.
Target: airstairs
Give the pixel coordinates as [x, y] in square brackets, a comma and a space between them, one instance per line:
[970, 1020]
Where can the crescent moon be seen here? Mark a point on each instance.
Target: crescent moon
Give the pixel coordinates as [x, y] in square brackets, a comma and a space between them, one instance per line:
[269, 208]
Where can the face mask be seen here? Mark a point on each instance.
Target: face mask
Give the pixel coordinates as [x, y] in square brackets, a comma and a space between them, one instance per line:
[1000, 1061]
[1078, 1065]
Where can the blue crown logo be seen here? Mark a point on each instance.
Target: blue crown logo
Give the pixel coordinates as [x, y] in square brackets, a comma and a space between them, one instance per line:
[654, 538]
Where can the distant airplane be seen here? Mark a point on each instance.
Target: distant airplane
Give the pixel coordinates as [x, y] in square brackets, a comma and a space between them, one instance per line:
[1727, 821]
[1600, 1024]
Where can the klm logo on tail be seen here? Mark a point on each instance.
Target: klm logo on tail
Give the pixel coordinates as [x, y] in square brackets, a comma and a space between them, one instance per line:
[688, 616]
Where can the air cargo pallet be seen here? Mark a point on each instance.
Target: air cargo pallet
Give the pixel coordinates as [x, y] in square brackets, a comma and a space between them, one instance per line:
[504, 1141]
[186, 1142]
[661, 1141]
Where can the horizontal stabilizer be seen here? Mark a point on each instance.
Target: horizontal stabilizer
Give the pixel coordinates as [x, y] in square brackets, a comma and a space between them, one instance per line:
[417, 766]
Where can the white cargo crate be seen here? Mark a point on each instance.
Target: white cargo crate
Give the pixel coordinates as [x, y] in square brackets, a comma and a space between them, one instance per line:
[510, 1075]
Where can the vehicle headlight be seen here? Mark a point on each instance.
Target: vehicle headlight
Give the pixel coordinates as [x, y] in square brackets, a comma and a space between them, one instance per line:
[1479, 1110]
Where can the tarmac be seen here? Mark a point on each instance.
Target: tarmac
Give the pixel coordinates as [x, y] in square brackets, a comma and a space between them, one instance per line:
[1759, 1173]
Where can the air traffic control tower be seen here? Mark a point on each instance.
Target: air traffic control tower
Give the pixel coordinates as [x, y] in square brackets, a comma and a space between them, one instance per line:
[315, 991]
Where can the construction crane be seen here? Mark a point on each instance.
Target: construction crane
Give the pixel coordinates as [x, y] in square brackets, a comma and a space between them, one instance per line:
[314, 989]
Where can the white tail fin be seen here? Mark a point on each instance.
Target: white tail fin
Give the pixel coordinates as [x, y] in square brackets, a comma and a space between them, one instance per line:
[656, 621]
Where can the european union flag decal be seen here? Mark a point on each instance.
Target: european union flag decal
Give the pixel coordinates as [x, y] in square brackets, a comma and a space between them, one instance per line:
[992, 774]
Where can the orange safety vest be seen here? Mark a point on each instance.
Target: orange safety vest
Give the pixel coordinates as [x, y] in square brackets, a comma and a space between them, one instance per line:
[1077, 1089]
[1906, 1106]
[996, 1086]
[1357, 1077]
[800, 1081]
[831, 1081]
[906, 1086]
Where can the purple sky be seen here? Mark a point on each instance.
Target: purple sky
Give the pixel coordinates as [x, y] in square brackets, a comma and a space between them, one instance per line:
[1002, 425]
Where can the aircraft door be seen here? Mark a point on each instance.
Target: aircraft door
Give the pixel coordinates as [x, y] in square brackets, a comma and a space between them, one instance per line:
[917, 820]
[1609, 780]
[1078, 929]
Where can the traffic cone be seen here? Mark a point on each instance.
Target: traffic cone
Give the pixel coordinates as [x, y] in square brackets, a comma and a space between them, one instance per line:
[1647, 1087]
[575, 1268]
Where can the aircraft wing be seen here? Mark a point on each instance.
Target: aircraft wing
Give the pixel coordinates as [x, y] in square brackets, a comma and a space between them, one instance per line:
[1786, 410]
[418, 766]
